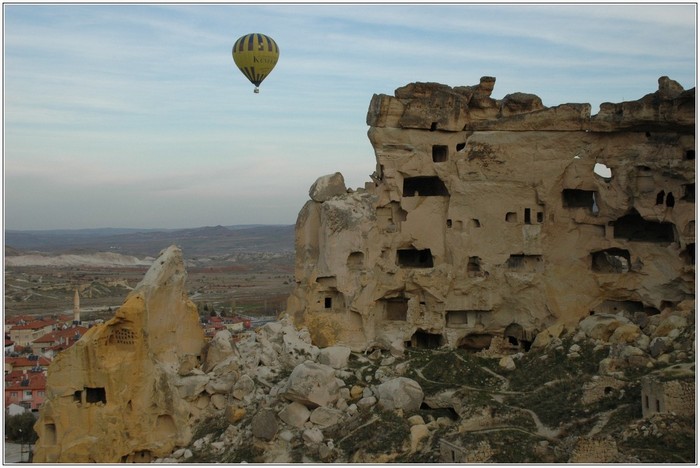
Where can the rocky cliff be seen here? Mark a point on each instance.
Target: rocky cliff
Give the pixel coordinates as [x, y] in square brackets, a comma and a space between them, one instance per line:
[117, 395]
[500, 218]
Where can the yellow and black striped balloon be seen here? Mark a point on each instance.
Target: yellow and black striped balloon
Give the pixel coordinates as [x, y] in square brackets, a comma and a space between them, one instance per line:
[255, 55]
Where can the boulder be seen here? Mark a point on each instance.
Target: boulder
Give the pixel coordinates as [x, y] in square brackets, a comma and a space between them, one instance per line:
[670, 323]
[234, 413]
[221, 384]
[312, 436]
[218, 350]
[325, 417]
[191, 386]
[419, 432]
[400, 393]
[295, 414]
[507, 363]
[243, 387]
[625, 333]
[397, 348]
[312, 385]
[264, 425]
[356, 392]
[366, 402]
[601, 326]
[658, 346]
[415, 420]
[218, 401]
[296, 347]
[187, 364]
[544, 337]
[334, 356]
[520, 103]
[327, 187]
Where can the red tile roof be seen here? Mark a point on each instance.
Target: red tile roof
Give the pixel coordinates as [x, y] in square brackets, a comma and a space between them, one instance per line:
[68, 335]
[35, 325]
[31, 381]
[23, 361]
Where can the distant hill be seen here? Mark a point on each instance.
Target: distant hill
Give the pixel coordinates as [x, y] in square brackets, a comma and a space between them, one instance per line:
[209, 240]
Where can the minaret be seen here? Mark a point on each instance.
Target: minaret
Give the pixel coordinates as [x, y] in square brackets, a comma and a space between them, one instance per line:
[76, 308]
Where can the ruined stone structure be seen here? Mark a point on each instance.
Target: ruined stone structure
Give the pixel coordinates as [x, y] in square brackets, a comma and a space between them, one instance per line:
[114, 395]
[594, 450]
[491, 217]
[670, 390]
[451, 452]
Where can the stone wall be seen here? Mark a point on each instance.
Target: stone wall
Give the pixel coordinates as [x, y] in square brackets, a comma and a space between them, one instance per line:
[490, 217]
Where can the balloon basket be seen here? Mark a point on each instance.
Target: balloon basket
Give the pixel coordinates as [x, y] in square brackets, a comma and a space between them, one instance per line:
[256, 90]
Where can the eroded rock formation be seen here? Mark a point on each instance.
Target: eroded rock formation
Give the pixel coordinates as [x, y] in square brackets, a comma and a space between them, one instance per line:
[500, 218]
[116, 395]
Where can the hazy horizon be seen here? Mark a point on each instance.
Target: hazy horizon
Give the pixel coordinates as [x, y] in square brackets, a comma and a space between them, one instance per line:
[135, 115]
[127, 228]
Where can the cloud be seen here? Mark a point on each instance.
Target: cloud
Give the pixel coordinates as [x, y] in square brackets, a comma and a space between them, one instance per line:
[142, 107]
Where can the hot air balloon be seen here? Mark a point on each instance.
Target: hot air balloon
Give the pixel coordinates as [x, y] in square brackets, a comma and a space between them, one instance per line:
[255, 55]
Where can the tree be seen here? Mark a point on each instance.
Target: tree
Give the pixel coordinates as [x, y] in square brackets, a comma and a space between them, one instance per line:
[20, 428]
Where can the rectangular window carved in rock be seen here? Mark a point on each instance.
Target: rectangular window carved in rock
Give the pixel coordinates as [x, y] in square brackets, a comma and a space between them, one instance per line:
[439, 153]
[456, 318]
[327, 281]
[413, 258]
[525, 263]
[636, 229]
[356, 260]
[95, 395]
[50, 433]
[331, 300]
[424, 186]
[688, 254]
[575, 198]
[396, 309]
[689, 193]
[614, 307]
[527, 216]
[611, 261]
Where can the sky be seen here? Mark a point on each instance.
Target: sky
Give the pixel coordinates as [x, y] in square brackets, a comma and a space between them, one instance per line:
[135, 116]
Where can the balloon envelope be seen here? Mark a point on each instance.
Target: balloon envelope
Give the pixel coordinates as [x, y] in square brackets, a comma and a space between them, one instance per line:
[255, 55]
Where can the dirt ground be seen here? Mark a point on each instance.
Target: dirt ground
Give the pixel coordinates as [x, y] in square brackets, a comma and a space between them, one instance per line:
[255, 287]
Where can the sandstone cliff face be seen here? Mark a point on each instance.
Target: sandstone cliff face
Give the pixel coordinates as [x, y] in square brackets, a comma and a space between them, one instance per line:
[114, 396]
[490, 218]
